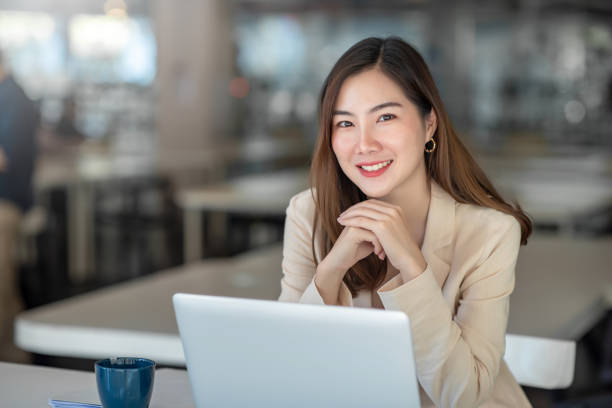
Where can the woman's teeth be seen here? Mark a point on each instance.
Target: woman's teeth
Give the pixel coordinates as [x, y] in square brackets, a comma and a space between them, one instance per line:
[376, 166]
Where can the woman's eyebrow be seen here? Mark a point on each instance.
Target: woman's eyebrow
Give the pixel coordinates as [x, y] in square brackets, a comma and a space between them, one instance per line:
[385, 105]
[374, 109]
[341, 112]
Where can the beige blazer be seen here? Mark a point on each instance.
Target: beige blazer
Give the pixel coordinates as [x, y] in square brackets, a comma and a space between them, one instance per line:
[458, 307]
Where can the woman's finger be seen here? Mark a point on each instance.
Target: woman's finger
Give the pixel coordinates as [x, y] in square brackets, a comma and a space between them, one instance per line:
[377, 205]
[370, 237]
[361, 222]
[364, 212]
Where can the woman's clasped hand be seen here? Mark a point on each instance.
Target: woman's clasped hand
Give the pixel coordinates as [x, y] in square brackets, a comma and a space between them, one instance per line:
[384, 228]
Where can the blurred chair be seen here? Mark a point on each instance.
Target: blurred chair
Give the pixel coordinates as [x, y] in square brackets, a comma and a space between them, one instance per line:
[606, 371]
[32, 225]
[597, 222]
[541, 362]
[35, 283]
[137, 228]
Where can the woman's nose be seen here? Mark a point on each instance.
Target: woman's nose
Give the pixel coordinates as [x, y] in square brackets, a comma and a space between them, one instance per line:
[367, 142]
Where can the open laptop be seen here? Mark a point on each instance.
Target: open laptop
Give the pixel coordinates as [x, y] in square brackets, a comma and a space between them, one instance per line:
[258, 353]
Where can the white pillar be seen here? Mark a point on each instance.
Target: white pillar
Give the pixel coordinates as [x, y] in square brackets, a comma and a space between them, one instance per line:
[195, 63]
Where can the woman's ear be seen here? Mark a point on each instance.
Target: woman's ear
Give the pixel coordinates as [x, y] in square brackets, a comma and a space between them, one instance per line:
[431, 123]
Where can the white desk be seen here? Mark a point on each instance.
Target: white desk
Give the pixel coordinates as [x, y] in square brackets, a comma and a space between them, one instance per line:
[257, 195]
[558, 199]
[554, 189]
[560, 292]
[563, 286]
[137, 318]
[27, 386]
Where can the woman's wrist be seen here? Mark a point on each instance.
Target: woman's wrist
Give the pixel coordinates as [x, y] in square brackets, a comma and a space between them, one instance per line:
[413, 267]
[328, 281]
[331, 272]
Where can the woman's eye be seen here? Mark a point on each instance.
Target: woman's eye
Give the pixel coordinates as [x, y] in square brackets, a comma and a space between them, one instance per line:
[385, 117]
[344, 123]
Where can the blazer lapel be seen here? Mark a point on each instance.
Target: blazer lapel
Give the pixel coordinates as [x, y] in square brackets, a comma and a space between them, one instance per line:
[439, 232]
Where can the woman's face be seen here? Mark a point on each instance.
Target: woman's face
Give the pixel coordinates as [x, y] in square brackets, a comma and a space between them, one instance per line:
[378, 135]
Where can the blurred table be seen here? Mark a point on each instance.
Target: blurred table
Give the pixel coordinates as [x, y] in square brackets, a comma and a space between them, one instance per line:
[563, 286]
[560, 201]
[260, 195]
[558, 190]
[561, 291]
[137, 317]
[77, 174]
[26, 386]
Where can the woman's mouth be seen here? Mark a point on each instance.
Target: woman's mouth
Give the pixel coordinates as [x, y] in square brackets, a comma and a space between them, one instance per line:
[374, 169]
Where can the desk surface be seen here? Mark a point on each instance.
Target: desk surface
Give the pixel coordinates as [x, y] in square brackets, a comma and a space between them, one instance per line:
[563, 286]
[557, 199]
[89, 166]
[267, 193]
[560, 292]
[137, 317]
[27, 386]
[554, 188]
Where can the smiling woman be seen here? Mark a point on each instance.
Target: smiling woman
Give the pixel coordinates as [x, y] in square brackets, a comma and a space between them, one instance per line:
[371, 136]
[399, 216]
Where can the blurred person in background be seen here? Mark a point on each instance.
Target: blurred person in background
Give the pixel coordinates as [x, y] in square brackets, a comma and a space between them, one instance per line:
[18, 125]
[64, 136]
[66, 129]
[401, 217]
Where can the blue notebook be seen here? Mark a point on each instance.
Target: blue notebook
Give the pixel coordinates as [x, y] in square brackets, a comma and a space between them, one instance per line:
[70, 404]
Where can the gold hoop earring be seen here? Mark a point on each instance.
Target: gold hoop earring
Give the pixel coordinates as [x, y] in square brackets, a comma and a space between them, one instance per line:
[429, 149]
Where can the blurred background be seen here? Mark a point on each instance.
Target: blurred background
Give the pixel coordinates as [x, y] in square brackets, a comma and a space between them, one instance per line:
[154, 112]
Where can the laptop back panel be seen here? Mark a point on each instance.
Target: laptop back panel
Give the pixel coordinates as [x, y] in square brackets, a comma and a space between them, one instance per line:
[243, 352]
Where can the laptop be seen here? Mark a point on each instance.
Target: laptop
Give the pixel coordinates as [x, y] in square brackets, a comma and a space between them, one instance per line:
[259, 353]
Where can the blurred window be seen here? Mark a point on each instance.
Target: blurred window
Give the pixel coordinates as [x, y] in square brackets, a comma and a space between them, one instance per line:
[34, 44]
[285, 56]
[112, 49]
[298, 50]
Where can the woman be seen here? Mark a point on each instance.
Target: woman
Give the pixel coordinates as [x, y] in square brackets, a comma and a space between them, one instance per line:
[401, 217]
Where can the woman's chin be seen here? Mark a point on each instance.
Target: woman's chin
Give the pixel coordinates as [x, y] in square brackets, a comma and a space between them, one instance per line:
[377, 193]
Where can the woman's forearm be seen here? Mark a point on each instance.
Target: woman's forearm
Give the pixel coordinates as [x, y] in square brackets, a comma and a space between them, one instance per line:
[328, 283]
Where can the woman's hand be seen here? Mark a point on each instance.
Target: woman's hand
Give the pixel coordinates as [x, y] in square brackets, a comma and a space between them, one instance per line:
[352, 245]
[389, 226]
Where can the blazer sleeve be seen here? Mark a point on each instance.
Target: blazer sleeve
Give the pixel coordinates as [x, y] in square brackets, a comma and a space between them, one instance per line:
[297, 283]
[458, 356]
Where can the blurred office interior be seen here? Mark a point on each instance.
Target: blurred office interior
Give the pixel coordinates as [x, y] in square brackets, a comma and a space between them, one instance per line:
[143, 103]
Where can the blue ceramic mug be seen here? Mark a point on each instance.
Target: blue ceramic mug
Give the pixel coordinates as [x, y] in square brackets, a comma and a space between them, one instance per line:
[125, 382]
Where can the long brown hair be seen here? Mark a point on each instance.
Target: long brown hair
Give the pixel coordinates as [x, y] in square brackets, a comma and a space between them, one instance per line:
[450, 165]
